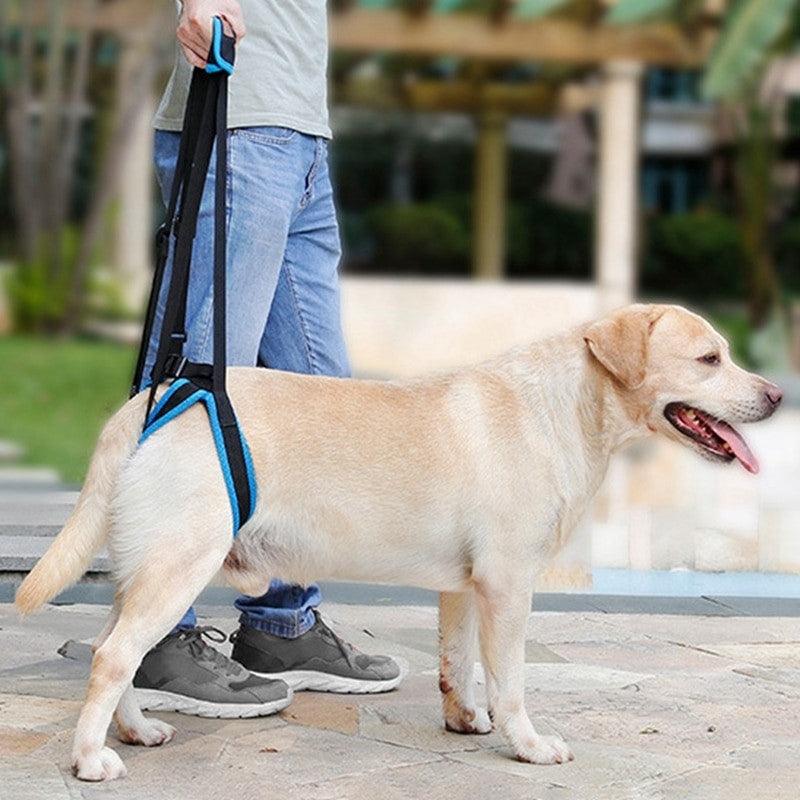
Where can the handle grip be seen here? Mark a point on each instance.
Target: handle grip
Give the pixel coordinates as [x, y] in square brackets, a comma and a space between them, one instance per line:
[223, 50]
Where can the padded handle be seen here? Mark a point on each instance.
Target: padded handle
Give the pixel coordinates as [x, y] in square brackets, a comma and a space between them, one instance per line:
[223, 50]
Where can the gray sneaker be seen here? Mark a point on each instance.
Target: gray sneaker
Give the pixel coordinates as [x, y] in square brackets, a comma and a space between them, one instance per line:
[318, 660]
[183, 673]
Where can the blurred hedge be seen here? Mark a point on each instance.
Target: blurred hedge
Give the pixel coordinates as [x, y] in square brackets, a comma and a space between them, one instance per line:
[787, 256]
[420, 236]
[696, 255]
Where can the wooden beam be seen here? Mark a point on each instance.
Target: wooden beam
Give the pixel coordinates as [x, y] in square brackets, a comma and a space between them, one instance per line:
[471, 97]
[125, 18]
[466, 35]
[474, 36]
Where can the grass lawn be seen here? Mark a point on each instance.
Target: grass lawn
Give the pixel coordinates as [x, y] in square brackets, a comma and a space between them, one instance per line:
[56, 395]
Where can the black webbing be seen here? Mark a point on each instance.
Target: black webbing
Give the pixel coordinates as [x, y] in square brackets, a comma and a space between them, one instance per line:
[191, 125]
[204, 126]
[205, 122]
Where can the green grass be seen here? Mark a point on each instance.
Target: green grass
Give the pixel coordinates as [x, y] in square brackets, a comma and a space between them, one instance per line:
[56, 395]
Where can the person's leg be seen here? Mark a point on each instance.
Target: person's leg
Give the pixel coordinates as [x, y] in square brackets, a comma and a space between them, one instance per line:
[266, 172]
[266, 169]
[188, 620]
[303, 334]
[280, 633]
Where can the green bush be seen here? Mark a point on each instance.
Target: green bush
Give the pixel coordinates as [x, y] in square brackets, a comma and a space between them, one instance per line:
[37, 297]
[696, 255]
[787, 256]
[546, 240]
[543, 240]
[420, 238]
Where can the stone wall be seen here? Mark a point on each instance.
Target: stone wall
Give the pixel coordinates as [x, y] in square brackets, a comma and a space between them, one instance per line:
[662, 506]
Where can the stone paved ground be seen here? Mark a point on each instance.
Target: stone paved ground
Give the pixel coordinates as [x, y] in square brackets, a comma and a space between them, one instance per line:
[656, 707]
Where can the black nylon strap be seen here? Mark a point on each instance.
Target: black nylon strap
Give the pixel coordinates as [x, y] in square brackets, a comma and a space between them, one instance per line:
[191, 125]
[173, 331]
[205, 124]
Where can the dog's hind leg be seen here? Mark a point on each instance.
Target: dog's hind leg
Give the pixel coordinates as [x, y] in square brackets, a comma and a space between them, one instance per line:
[503, 613]
[153, 600]
[458, 640]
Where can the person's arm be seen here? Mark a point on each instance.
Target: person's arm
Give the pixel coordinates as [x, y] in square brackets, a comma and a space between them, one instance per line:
[194, 26]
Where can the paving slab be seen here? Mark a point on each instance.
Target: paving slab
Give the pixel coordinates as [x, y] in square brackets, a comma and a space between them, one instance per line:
[20, 551]
[17, 478]
[598, 771]
[665, 707]
[29, 778]
[728, 783]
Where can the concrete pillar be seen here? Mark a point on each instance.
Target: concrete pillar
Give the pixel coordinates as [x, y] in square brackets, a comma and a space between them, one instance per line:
[489, 200]
[618, 184]
[133, 245]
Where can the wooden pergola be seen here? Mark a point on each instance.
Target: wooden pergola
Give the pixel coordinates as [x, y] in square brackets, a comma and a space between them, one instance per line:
[499, 32]
[507, 35]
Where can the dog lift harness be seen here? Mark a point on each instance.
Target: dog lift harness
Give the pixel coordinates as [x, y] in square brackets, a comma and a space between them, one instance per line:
[205, 122]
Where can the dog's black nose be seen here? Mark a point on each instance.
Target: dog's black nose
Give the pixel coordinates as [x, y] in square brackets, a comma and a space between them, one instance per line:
[774, 395]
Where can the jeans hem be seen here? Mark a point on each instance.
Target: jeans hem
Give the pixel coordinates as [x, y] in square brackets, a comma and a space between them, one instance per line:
[285, 629]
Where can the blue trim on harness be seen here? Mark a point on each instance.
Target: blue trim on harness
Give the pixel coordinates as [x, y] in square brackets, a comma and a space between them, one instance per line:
[155, 423]
[220, 64]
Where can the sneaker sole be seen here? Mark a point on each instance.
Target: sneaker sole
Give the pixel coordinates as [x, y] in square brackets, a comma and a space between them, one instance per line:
[310, 680]
[156, 700]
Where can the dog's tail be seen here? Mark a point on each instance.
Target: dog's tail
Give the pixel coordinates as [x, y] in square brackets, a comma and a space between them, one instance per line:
[86, 530]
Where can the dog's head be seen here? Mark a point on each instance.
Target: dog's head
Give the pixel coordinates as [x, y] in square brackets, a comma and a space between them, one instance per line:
[674, 375]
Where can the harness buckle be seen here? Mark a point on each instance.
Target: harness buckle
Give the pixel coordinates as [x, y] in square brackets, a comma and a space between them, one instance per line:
[175, 366]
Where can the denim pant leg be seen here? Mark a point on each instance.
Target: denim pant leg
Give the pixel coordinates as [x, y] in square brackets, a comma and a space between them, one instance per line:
[267, 177]
[303, 334]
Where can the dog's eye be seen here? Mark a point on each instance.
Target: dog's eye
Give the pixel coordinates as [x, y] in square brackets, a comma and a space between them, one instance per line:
[710, 358]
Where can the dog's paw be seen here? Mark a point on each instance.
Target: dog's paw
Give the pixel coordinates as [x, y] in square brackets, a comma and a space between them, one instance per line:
[103, 765]
[545, 750]
[152, 733]
[469, 721]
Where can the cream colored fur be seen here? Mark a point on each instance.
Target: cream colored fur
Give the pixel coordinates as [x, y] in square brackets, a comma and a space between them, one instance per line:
[463, 483]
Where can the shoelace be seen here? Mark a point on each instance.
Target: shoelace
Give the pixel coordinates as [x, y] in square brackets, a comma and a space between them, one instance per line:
[194, 639]
[345, 648]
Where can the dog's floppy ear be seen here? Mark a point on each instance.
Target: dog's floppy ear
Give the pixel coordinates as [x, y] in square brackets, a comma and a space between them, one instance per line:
[620, 342]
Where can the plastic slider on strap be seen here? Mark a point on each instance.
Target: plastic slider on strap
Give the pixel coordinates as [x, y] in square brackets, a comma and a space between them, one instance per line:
[175, 366]
[223, 50]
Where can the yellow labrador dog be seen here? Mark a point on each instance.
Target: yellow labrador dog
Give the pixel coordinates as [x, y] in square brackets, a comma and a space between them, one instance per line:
[463, 483]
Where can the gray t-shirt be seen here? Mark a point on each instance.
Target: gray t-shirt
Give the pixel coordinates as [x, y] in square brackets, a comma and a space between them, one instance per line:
[280, 77]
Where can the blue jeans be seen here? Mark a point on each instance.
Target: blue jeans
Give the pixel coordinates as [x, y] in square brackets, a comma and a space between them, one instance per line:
[282, 290]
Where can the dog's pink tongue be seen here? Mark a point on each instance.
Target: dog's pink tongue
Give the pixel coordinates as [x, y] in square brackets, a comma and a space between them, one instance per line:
[736, 443]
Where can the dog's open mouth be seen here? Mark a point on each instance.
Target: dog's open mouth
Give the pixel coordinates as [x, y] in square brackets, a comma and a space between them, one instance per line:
[715, 436]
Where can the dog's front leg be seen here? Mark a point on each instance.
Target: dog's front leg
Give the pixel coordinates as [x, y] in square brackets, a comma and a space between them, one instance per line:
[503, 610]
[458, 640]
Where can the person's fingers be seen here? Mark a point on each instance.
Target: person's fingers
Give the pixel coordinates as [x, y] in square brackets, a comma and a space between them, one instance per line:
[226, 27]
[235, 22]
[195, 32]
[190, 37]
[193, 58]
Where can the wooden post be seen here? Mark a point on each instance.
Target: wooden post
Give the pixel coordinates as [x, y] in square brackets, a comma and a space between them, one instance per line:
[134, 235]
[618, 179]
[489, 199]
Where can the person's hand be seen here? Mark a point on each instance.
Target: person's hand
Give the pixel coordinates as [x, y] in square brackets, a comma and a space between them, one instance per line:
[195, 26]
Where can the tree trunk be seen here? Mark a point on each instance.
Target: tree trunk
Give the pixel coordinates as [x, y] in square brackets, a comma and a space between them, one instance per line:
[754, 184]
[21, 147]
[130, 100]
